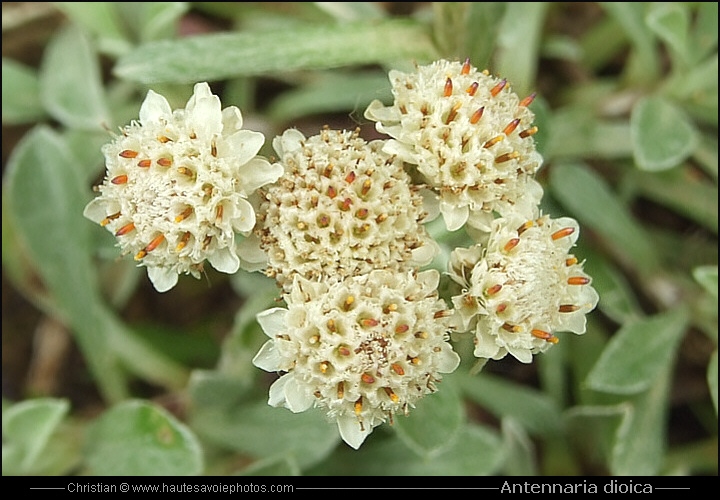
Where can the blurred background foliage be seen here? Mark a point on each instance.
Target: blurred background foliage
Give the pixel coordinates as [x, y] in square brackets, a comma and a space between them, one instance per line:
[102, 375]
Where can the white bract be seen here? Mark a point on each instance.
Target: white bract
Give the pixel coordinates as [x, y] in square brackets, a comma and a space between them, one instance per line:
[470, 137]
[342, 208]
[521, 287]
[177, 185]
[363, 349]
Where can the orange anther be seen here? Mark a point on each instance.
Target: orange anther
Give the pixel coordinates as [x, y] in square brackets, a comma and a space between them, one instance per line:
[497, 88]
[511, 244]
[529, 99]
[125, 229]
[477, 115]
[511, 126]
[472, 89]
[561, 233]
[568, 308]
[447, 91]
[119, 179]
[578, 280]
[128, 153]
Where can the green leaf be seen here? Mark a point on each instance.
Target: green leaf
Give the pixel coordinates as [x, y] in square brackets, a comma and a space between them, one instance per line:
[280, 466]
[70, 83]
[137, 438]
[27, 427]
[707, 276]
[705, 31]
[224, 55]
[481, 28]
[639, 446]
[332, 94]
[477, 451]
[46, 202]
[576, 132]
[20, 93]
[46, 199]
[435, 422]
[588, 197]
[638, 353]
[712, 378]
[153, 20]
[618, 302]
[643, 66]
[261, 431]
[662, 135]
[518, 44]
[532, 409]
[102, 20]
[670, 22]
[520, 450]
[682, 191]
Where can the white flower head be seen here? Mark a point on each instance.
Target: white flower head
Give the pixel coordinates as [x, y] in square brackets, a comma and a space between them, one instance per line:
[343, 207]
[176, 188]
[521, 288]
[363, 349]
[469, 135]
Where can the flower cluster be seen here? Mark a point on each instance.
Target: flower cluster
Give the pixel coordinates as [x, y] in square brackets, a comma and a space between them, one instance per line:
[521, 287]
[363, 348]
[470, 137]
[342, 208]
[177, 186]
[338, 223]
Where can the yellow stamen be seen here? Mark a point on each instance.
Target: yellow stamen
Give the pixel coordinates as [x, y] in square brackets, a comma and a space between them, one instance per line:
[184, 214]
[393, 397]
[493, 141]
[109, 218]
[528, 132]
[183, 241]
[512, 328]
